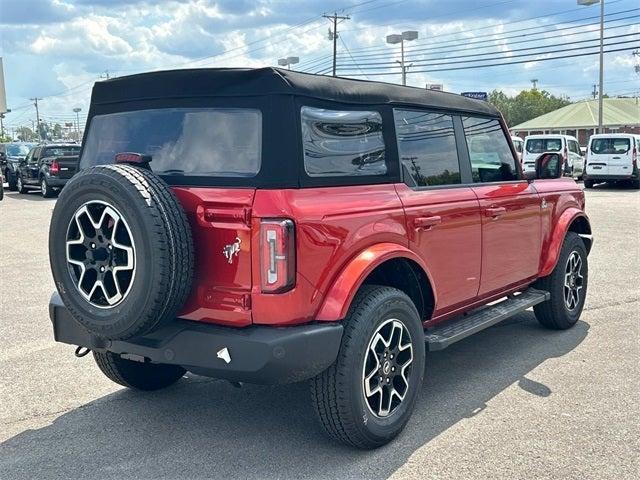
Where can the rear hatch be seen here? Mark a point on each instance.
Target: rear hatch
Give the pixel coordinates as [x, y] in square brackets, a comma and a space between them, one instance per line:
[610, 156]
[534, 147]
[67, 166]
[198, 152]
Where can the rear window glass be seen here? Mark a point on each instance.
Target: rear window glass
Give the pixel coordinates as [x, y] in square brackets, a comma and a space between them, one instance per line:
[342, 143]
[18, 150]
[60, 151]
[605, 146]
[223, 142]
[541, 145]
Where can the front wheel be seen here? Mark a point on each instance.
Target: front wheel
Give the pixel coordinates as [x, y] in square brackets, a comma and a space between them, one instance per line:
[567, 285]
[11, 180]
[137, 375]
[20, 185]
[588, 184]
[367, 396]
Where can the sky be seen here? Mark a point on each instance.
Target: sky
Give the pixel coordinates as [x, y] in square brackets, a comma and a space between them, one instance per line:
[56, 49]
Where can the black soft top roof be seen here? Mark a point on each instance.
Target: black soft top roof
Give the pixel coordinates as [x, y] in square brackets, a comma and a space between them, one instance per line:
[243, 82]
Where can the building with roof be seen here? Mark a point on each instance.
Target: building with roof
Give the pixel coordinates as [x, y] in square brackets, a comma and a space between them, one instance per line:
[621, 115]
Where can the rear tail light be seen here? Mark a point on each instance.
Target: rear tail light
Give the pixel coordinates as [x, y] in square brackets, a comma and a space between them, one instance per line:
[54, 169]
[277, 255]
[634, 158]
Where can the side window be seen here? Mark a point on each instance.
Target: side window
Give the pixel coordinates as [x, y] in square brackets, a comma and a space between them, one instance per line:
[342, 143]
[34, 154]
[489, 152]
[574, 147]
[427, 148]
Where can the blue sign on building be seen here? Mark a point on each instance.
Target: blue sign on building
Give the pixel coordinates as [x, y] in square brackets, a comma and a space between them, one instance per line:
[476, 95]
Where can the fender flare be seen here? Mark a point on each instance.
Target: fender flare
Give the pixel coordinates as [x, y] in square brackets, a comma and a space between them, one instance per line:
[338, 298]
[552, 252]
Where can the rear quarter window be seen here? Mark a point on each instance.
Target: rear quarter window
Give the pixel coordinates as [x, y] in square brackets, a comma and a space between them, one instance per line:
[218, 142]
[339, 143]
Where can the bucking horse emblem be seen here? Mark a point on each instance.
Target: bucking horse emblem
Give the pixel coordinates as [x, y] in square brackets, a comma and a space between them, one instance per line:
[232, 250]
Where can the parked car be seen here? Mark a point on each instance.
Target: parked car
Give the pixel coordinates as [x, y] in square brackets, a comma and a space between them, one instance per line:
[566, 145]
[48, 167]
[11, 154]
[613, 157]
[518, 144]
[270, 226]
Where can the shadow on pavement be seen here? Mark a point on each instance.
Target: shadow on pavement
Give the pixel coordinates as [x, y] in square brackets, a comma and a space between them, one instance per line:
[208, 428]
[32, 195]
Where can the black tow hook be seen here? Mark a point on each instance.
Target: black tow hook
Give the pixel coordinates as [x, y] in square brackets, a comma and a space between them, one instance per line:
[82, 351]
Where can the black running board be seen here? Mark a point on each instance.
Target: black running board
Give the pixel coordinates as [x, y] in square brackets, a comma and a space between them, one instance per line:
[454, 330]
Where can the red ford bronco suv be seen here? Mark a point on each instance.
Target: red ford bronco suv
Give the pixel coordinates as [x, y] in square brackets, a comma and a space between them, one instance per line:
[269, 226]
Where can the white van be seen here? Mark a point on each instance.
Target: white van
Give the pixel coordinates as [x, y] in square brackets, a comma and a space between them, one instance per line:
[612, 157]
[566, 145]
[518, 143]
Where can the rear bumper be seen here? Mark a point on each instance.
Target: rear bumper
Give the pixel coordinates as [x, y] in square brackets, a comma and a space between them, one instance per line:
[265, 355]
[56, 182]
[608, 178]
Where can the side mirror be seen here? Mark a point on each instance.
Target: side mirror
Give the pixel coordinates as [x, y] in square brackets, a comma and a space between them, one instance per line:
[549, 165]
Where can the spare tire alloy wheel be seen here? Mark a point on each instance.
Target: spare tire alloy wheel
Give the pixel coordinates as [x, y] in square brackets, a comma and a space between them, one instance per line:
[121, 251]
[387, 367]
[100, 254]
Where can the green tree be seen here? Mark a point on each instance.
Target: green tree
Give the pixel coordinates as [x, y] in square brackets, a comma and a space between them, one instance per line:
[57, 131]
[25, 134]
[526, 105]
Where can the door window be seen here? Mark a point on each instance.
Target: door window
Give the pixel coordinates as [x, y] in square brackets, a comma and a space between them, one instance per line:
[489, 151]
[427, 148]
[342, 143]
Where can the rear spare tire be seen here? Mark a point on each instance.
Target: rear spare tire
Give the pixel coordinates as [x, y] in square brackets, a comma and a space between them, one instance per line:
[121, 251]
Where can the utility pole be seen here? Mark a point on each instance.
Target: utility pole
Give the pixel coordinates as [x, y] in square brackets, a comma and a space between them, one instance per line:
[595, 91]
[35, 102]
[333, 35]
[77, 112]
[534, 82]
[600, 93]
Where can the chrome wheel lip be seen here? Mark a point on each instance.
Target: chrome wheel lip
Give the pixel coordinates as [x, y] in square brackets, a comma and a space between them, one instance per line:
[131, 263]
[573, 281]
[389, 366]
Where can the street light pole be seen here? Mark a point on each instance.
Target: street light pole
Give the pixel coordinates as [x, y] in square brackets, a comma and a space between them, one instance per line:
[77, 111]
[601, 94]
[601, 79]
[400, 38]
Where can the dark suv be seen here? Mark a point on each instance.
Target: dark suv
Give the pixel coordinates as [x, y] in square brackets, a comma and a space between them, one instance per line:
[48, 167]
[11, 155]
[269, 226]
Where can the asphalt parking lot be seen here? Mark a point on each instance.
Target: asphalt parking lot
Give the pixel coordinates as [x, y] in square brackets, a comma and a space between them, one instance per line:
[515, 401]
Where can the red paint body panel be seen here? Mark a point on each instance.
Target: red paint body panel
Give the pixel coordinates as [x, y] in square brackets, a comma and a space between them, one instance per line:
[339, 298]
[333, 225]
[510, 234]
[451, 248]
[475, 243]
[221, 291]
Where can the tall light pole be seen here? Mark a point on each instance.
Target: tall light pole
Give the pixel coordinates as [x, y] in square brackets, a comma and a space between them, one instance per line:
[77, 111]
[35, 103]
[287, 62]
[401, 38]
[2, 122]
[601, 81]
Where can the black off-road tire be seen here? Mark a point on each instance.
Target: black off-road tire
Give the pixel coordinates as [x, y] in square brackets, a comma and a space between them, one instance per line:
[164, 255]
[20, 185]
[588, 184]
[338, 394]
[45, 189]
[635, 184]
[137, 375]
[554, 313]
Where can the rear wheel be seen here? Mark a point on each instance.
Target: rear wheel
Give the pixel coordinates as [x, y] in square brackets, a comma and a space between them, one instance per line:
[588, 184]
[635, 183]
[138, 375]
[47, 191]
[367, 396]
[567, 285]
